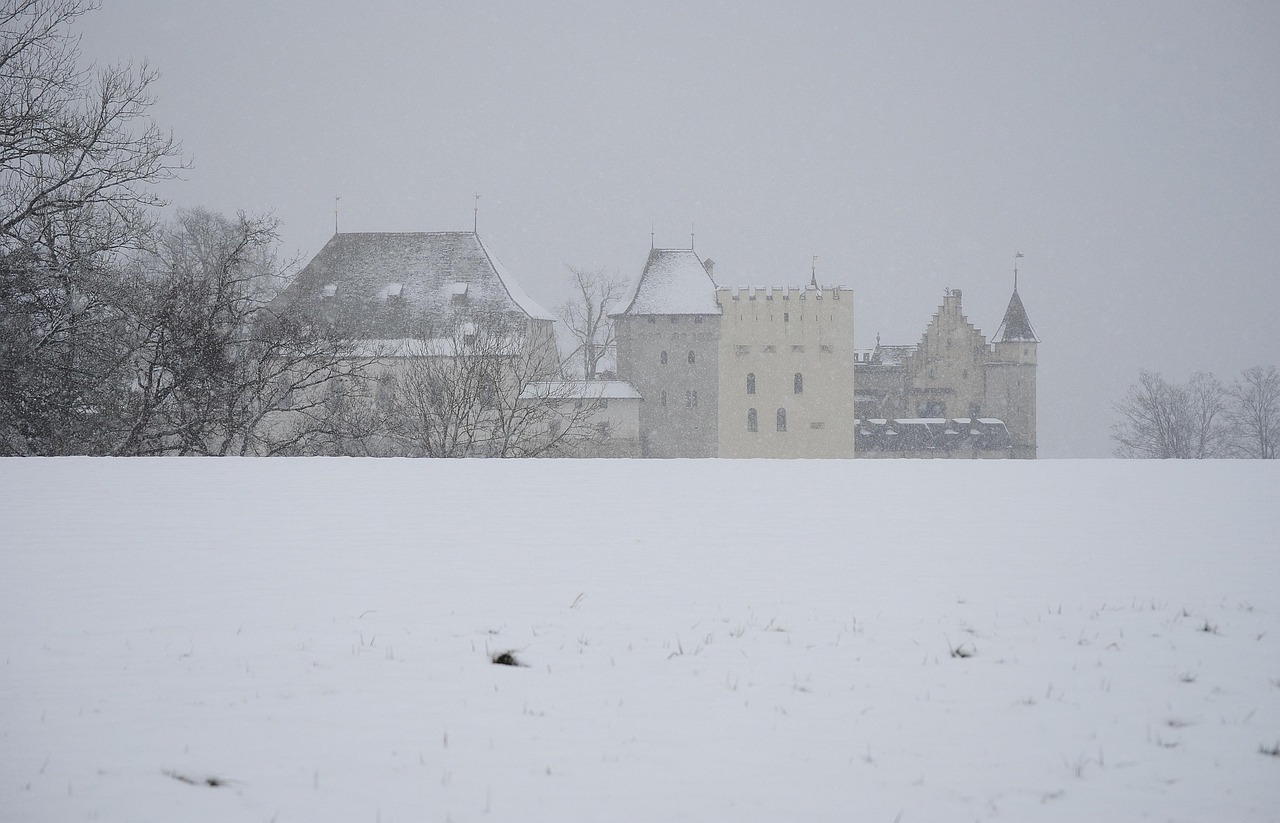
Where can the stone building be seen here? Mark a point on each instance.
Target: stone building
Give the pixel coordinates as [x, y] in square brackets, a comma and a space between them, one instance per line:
[786, 372]
[736, 372]
[952, 394]
[669, 350]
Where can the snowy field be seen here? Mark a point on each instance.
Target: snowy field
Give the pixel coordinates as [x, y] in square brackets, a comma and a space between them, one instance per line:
[311, 640]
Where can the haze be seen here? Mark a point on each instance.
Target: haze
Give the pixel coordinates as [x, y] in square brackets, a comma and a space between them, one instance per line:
[1131, 153]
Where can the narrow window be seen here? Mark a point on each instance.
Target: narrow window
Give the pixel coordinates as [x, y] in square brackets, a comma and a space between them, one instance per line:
[664, 398]
[663, 359]
[751, 383]
[691, 357]
[782, 420]
[798, 383]
[751, 421]
[694, 403]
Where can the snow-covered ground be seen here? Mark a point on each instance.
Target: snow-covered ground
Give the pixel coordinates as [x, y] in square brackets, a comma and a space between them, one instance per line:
[702, 640]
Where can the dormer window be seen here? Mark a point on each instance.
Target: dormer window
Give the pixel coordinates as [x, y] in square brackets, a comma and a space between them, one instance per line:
[392, 292]
[329, 291]
[458, 293]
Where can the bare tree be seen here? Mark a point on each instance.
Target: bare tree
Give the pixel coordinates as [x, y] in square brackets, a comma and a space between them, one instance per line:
[72, 139]
[586, 315]
[1167, 420]
[1254, 413]
[489, 388]
[77, 154]
[214, 369]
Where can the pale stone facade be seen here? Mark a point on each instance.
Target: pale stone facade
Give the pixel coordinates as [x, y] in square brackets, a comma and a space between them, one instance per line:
[786, 372]
[953, 376]
[668, 348]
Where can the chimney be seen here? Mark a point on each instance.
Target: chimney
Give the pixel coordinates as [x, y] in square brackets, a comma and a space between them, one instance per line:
[710, 266]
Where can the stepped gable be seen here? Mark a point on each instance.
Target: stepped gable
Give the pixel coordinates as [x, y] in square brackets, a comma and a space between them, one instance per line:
[1016, 326]
[674, 281]
[358, 276]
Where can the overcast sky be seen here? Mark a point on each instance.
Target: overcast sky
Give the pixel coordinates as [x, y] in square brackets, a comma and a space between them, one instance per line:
[1130, 151]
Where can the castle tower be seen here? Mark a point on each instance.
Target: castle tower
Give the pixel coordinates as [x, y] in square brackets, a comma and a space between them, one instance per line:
[1011, 377]
[786, 371]
[668, 340]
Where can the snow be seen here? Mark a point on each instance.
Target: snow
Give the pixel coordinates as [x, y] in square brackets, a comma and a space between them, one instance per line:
[703, 640]
[674, 281]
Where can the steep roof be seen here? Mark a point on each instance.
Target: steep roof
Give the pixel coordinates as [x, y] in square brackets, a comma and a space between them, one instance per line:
[1015, 325]
[674, 281]
[423, 274]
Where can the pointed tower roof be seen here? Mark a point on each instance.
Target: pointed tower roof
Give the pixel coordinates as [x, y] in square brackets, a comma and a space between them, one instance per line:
[1016, 327]
[674, 281]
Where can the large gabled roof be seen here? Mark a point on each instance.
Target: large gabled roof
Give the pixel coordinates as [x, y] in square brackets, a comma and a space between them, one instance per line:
[423, 274]
[674, 281]
[1016, 326]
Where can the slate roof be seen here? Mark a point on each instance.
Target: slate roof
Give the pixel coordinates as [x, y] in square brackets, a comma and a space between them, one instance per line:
[674, 281]
[1016, 325]
[383, 283]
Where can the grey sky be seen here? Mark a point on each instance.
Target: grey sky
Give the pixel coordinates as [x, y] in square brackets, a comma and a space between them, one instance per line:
[1130, 151]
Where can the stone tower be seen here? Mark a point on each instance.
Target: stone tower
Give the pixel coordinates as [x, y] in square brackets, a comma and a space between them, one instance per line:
[668, 340]
[1011, 377]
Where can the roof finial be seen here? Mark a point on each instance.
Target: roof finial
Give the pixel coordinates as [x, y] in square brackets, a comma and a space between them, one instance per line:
[475, 217]
[813, 272]
[336, 198]
[691, 237]
[1016, 255]
[651, 246]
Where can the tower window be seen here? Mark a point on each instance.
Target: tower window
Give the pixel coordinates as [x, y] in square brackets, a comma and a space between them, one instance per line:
[798, 383]
[751, 383]
[663, 359]
[664, 399]
[691, 399]
[782, 420]
[690, 356]
[752, 425]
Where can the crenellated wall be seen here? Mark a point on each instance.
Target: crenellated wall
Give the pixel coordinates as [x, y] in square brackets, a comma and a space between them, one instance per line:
[786, 349]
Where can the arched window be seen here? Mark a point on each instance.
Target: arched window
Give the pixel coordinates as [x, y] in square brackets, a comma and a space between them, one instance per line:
[751, 421]
[690, 356]
[663, 358]
[664, 398]
[782, 420]
[751, 384]
[798, 383]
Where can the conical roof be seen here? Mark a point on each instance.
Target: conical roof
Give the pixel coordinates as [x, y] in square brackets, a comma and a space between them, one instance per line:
[1016, 326]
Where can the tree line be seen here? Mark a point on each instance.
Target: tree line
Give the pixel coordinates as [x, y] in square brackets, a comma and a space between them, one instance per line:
[1202, 418]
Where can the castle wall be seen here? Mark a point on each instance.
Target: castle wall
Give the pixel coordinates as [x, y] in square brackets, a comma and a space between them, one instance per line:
[1011, 393]
[771, 336]
[679, 413]
[946, 374]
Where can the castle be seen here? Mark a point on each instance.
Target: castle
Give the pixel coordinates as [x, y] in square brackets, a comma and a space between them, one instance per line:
[702, 369]
[772, 372]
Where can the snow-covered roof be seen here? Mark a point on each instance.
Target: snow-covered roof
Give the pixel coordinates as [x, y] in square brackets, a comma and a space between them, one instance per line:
[582, 389]
[674, 281]
[430, 272]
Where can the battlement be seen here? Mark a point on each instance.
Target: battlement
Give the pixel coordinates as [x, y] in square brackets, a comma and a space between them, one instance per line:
[809, 292]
